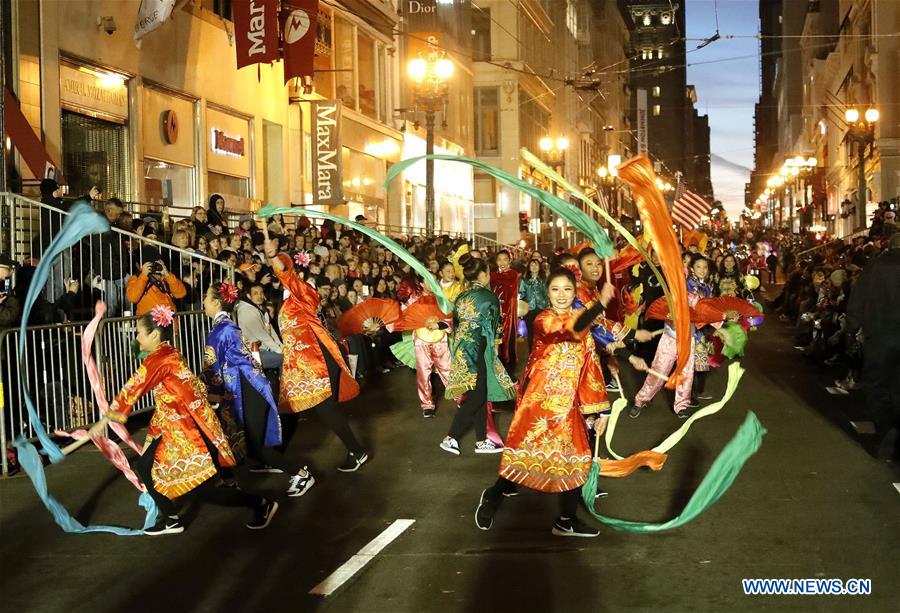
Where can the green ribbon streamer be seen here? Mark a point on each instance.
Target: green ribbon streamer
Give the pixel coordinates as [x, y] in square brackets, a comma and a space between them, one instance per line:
[545, 170]
[735, 372]
[573, 215]
[445, 305]
[721, 475]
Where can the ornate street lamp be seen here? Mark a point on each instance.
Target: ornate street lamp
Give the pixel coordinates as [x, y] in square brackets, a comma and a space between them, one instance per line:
[553, 153]
[430, 73]
[861, 130]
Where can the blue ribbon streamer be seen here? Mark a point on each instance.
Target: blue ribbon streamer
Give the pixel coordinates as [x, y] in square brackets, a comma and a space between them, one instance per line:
[81, 222]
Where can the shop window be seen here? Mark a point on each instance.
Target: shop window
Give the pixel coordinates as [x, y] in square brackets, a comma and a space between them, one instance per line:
[656, 110]
[660, 53]
[222, 8]
[367, 76]
[534, 121]
[487, 120]
[168, 184]
[345, 54]
[323, 64]
[235, 190]
[656, 91]
[95, 154]
[481, 34]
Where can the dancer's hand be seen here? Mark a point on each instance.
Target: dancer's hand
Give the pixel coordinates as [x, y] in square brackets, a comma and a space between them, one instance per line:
[99, 428]
[607, 293]
[642, 336]
[638, 363]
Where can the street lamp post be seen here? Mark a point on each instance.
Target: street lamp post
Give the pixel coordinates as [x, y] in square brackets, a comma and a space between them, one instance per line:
[553, 152]
[430, 74]
[861, 129]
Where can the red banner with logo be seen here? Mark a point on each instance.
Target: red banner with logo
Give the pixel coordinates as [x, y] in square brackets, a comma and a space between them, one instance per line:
[299, 20]
[255, 31]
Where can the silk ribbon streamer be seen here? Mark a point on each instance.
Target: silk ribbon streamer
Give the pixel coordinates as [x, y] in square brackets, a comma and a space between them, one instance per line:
[573, 215]
[638, 174]
[552, 174]
[623, 467]
[721, 475]
[445, 305]
[82, 221]
[735, 372]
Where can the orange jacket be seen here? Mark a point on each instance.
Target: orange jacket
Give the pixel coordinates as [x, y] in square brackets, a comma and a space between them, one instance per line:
[145, 301]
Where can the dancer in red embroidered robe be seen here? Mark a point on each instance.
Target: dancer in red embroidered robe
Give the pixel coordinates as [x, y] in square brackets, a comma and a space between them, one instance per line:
[505, 283]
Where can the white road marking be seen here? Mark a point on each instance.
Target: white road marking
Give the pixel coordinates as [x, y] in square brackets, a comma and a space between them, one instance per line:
[365, 555]
[863, 427]
[897, 486]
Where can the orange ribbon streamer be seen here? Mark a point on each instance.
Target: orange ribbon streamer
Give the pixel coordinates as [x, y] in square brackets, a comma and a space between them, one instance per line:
[624, 467]
[638, 174]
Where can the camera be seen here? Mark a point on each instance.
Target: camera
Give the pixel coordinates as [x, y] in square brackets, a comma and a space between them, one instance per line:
[156, 268]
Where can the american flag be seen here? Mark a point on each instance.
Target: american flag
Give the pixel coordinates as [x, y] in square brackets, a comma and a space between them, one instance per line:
[689, 208]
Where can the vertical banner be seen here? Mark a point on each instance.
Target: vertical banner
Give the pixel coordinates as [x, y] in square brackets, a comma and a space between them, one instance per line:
[151, 15]
[642, 147]
[299, 34]
[327, 174]
[255, 31]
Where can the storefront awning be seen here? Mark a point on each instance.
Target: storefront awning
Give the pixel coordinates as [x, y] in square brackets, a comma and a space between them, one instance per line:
[26, 141]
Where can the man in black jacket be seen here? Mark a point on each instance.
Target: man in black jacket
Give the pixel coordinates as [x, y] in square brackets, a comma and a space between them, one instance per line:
[9, 304]
[875, 307]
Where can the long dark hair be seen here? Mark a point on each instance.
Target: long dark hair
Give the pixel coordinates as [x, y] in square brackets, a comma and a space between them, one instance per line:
[472, 267]
[562, 272]
[540, 270]
[213, 216]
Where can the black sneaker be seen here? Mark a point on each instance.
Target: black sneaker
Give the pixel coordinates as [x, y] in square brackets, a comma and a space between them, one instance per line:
[683, 414]
[612, 386]
[353, 462]
[484, 512]
[300, 483]
[427, 413]
[510, 493]
[573, 527]
[635, 411]
[265, 468]
[168, 525]
[263, 515]
[601, 493]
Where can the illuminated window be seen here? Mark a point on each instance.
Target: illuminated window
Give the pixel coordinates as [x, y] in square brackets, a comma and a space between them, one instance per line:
[656, 110]
[666, 18]
[646, 19]
[656, 91]
[659, 53]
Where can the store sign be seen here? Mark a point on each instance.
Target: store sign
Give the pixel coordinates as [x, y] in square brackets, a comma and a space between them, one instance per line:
[226, 145]
[91, 90]
[255, 31]
[326, 156]
[299, 18]
[170, 127]
[420, 15]
[642, 146]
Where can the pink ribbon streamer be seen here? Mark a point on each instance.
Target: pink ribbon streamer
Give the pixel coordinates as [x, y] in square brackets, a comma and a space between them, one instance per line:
[107, 447]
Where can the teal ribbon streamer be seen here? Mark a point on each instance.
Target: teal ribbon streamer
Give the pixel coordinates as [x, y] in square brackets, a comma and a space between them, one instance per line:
[721, 475]
[578, 218]
[81, 222]
[445, 305]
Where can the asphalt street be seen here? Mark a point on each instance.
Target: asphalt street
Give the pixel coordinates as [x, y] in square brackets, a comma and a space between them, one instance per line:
[811, 504]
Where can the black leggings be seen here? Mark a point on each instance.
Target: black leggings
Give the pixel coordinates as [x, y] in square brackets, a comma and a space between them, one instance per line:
[327, 411]
[207, 491]
[568, 501]
[699, 382]
[256, 412]
[474, 406]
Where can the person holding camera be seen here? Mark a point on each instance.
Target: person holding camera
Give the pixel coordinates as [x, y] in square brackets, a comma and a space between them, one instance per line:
[153, 286]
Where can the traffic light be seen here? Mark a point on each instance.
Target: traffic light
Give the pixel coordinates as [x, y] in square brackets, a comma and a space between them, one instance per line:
[523, 221]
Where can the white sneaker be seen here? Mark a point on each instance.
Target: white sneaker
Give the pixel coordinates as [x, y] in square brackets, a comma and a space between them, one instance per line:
[837, 391]
[300, 483]
[450, 445]
[488, 446]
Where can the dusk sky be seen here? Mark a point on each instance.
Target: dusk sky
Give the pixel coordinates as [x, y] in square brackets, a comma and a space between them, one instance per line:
[727, 90]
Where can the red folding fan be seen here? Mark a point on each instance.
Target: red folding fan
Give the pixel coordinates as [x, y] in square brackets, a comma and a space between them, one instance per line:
[710, 310]
[367, 315]
[419, 314]
[659, 309]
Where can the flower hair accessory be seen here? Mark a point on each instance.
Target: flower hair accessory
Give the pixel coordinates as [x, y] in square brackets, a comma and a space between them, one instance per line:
[575, 270]
[302, 259]
[162, 315]
[228, 292]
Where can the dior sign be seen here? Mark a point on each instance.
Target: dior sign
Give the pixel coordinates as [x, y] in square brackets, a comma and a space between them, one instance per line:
[326, 156]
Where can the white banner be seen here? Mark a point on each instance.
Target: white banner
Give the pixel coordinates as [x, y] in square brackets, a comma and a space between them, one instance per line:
[642, 121]
[151, 15]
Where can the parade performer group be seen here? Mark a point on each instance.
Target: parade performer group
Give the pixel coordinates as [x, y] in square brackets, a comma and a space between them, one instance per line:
[203, 427]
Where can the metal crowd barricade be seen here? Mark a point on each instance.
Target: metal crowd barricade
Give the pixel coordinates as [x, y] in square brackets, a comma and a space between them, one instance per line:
[57, 379]
[100, 263]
